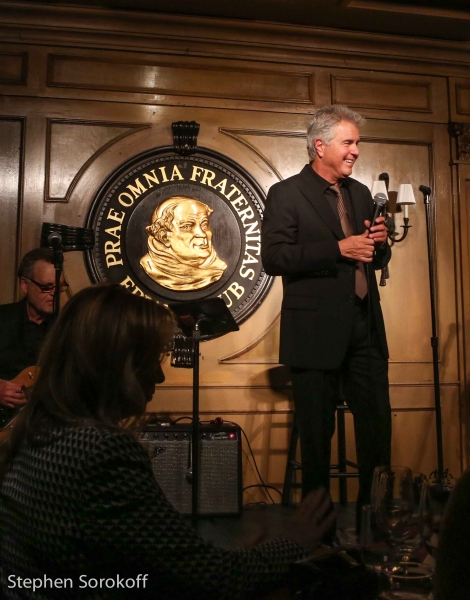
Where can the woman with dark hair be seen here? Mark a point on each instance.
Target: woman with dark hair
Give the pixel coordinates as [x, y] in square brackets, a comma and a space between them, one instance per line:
[81, 514]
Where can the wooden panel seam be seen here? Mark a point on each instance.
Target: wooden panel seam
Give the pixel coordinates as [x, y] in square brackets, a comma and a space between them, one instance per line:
[286, 411]
[225, 386]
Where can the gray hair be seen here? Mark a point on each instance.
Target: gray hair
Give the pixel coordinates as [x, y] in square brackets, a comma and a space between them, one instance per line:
[26, 268]
[323, 123]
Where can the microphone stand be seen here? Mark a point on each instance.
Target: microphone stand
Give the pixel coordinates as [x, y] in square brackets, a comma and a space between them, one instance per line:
[63, 238]
[196, 335]
[200, 320]
[426, 191]
[55, 241]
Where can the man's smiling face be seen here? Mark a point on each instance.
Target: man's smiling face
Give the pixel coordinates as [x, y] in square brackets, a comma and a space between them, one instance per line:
[338, 158]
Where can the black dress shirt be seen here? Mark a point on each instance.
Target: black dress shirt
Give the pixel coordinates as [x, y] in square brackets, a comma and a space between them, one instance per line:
[20, 339]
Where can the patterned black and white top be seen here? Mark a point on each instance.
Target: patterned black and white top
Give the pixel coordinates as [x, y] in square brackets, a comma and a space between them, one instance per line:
[82, 516]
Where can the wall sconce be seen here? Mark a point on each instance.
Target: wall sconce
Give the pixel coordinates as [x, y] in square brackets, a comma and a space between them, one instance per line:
[404, 197]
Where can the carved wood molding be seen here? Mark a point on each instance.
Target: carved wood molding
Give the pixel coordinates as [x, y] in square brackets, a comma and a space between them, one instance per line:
[407, 9]
[280, 411]
[461, 132]
[237, 134]
[132, 128]
[236, 358]
[210, 78]
[13, 68]
[97, 27]
[12, 220]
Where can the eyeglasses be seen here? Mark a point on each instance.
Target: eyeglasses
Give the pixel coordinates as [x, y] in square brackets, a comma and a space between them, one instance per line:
[46, 288]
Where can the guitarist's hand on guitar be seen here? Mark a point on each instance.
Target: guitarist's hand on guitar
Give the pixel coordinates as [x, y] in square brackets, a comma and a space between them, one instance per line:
[11, 394]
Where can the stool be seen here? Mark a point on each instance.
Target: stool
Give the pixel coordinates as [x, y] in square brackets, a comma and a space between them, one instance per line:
[294, 465]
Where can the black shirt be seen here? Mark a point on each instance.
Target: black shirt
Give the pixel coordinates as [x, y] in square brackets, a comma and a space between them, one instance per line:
[20, 339]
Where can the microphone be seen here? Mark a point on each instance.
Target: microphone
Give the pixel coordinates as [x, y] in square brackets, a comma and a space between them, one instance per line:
[380, 200]
[424, 189]
[69, 238]
[54, 241]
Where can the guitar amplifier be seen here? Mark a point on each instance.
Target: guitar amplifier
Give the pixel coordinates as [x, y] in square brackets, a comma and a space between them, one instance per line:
[220, 462]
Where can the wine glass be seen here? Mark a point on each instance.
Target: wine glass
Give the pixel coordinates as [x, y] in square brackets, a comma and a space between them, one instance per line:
[375, 547]
[403, 515]
[374, 494]
[375, 550]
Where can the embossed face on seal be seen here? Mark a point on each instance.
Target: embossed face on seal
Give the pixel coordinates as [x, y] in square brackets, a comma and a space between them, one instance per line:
[178, 229]
[180, 253]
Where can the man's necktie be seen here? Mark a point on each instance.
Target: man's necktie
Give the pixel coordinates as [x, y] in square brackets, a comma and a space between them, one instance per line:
[361, 280]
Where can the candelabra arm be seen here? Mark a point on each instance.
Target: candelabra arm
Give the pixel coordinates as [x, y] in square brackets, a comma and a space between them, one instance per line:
[396, 240]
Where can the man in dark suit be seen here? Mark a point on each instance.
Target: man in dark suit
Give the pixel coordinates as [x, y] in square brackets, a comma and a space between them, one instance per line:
[317, 235]
[24, 324]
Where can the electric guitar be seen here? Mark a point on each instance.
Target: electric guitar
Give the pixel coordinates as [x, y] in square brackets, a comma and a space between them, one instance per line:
[26, 380]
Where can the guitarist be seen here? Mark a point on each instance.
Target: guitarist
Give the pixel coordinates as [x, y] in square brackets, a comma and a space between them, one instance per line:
[24, 324]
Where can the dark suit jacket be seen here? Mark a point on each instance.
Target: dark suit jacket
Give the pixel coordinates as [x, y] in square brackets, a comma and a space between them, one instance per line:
[300, 237]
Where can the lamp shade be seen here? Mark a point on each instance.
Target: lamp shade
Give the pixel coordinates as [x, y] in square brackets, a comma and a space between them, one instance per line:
[405, 194]
[379, 187]
[405, 197]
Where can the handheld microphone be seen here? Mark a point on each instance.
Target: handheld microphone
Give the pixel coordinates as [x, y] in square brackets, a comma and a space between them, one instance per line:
[380, 200]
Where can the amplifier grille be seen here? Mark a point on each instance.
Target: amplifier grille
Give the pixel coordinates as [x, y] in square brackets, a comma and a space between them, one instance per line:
[219, 466]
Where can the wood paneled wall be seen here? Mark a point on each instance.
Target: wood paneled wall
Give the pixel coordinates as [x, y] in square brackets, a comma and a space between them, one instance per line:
[83, 90]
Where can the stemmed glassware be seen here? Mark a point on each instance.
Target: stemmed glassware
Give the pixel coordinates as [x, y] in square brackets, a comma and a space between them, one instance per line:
[403, 515]
[376, 549]
[374, 496]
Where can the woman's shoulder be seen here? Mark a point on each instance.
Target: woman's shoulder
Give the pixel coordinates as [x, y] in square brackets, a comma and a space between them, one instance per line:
[94, 440]
[100, 436]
